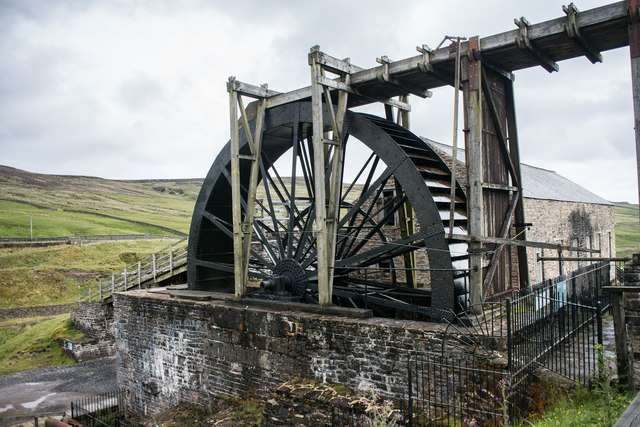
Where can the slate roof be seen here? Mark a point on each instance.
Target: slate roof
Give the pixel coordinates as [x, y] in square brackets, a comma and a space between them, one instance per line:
[538, 183]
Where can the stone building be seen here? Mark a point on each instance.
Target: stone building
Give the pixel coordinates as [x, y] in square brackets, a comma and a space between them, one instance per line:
[559, 211]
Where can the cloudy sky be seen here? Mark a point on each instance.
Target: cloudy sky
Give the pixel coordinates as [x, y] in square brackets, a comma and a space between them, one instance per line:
[136, 89]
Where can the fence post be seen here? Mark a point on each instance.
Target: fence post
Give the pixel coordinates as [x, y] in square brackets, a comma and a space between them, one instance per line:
[139, 273]
[509, 337]
[89, 294]
[171, 260]
[113, 284]
[154, 267]
[410, 385]
[125, 279]
[100, 282]
[599, 320]
[559, 261]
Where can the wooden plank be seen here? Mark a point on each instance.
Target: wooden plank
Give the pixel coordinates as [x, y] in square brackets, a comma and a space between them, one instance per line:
[513, 242]
[631, 416]
[621, 289]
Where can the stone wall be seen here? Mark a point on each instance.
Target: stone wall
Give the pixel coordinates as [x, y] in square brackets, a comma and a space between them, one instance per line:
[572, 224]
[94, 319]
[173, 350]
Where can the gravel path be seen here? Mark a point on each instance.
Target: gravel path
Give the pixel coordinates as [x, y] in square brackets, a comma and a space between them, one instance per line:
[49, 391]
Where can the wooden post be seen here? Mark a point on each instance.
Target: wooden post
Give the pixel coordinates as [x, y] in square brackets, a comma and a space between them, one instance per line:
[171, 260]
[634, 51]
[153, 257]
[113, 284]
[236, 198]
[322, 241]
[139, 273]
[125, 278]
[473, 116]
[624, 359]
[100, 288]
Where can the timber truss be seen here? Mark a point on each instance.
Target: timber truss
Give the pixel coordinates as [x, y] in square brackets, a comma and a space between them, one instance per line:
[320, 234]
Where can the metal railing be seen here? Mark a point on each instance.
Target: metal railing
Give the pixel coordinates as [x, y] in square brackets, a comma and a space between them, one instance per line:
[105, 410]
[139, 275]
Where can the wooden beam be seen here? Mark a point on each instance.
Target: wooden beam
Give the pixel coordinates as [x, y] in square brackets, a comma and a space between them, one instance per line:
[525, 243]
[475, 215]
[634, 51]
[573, 31]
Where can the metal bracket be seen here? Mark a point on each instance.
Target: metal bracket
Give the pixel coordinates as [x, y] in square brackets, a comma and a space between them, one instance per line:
[573, 31]
[524, 42]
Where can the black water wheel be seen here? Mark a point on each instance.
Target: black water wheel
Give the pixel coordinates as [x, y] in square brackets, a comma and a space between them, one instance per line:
[381, 158]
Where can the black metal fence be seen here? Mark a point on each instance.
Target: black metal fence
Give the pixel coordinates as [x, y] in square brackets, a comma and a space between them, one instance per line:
[105, 410]
[556, 324]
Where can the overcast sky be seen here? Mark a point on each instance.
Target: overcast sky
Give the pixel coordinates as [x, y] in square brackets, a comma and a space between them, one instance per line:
[137, 89]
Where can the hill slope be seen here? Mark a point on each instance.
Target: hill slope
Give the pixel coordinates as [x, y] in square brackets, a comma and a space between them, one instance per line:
[52, 198]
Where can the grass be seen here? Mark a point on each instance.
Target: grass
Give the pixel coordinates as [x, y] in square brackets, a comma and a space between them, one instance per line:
[32, 343]
[17, 220]
[55, 275]
[587, 408]
[627, 229]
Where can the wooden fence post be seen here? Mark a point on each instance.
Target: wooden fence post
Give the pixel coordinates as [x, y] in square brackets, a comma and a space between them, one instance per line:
[171, 260]
[154, 267]
[139, 273]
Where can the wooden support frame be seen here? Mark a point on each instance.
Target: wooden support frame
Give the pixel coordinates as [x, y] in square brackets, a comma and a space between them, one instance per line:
[634, 53]
[573, 31]
[242, 227]
[524, 42]
[327, 152]
[472, 90]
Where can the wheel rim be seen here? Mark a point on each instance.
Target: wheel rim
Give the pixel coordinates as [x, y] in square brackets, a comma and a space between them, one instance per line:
[366, 244]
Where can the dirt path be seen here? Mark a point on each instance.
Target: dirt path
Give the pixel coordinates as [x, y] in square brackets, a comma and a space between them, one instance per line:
[49, 391]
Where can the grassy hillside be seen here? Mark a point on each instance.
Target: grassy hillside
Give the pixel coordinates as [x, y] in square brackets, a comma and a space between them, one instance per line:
[30, 343]
[167, 203]
[55, 275]
[627, 229]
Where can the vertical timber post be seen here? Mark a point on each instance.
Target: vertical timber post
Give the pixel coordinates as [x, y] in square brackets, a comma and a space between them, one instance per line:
[236, 210]
[634, 51]
[473, 115]
[322, 241]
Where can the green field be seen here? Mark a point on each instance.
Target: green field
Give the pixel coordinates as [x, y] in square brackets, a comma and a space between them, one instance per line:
[30, 343]
[627, 229]
[167, 203]
[56, 274]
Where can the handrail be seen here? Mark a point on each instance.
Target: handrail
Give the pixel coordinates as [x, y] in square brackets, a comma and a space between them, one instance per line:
[141, 274]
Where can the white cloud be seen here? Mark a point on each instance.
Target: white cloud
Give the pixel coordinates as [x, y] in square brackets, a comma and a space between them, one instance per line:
[137, 89]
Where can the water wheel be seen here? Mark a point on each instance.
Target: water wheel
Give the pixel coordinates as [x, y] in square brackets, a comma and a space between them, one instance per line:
[385, 259]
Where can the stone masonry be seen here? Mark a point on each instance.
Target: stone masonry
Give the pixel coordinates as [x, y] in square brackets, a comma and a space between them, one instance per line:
[586, 225]
[174, 350]
[94, 319]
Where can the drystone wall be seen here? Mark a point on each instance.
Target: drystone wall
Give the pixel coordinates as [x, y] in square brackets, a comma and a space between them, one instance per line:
[569, 223]
[174, 350]
[95, 319]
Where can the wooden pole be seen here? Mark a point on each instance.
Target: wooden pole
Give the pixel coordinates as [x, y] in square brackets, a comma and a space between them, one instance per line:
[236, 209]
[473, 115]
[623, 356]
[322, 241]
[634, 51]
